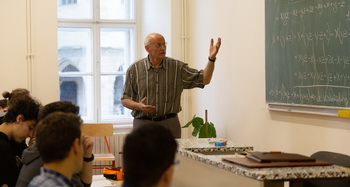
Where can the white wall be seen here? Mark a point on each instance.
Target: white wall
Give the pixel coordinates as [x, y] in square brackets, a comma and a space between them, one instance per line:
[235, 98]
[28, 28]
[154, 17]
[45, 65]
[13, 45]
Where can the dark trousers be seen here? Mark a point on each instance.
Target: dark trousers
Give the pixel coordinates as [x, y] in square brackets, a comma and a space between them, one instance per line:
[173, 124]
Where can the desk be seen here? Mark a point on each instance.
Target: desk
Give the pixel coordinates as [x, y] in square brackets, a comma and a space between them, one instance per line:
[101, 181]
[197, 169]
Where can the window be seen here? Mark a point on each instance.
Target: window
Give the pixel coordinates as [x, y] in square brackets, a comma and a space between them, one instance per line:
[68, 2]
[96, 44]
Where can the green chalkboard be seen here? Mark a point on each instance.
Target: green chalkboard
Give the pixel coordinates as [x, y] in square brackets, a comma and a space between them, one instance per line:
[307, 46]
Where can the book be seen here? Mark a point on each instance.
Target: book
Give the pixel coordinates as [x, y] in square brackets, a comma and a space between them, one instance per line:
[250, 163]
[278, 157]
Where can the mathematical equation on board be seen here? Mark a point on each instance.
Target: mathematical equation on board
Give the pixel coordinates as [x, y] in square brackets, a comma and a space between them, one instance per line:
[317, 8]
[308, 52]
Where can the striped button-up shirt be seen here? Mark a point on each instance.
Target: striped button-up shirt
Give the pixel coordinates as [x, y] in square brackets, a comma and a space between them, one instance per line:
[162, 87]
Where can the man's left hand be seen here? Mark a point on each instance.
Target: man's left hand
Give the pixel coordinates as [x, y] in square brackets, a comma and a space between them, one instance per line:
[214, 49]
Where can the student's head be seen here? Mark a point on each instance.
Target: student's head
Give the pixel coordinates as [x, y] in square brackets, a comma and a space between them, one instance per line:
[22, 118]
[15, 95]
[58, 106]
[58, 137]
[3, 104]
[155, 45]
[148, 156]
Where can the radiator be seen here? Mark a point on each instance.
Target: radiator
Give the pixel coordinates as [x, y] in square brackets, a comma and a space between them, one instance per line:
[116, 143]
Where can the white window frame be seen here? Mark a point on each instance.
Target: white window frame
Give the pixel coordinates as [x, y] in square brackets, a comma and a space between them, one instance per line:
[95, 25]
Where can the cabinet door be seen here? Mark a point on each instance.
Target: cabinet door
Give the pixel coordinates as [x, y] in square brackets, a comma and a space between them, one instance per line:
[13, 45]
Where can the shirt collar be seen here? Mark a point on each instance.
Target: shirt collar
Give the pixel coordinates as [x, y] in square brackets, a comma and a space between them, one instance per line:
[56, 174]
[149, 65]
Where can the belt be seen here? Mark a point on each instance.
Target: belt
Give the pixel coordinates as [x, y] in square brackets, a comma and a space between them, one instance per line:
[160, 118]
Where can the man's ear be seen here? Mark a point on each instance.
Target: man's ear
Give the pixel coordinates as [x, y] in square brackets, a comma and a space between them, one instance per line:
[168, 175]
[147, 48]
[76, 146]
[19, 118]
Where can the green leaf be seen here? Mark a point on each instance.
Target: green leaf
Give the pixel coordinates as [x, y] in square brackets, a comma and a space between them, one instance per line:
[195, 132]
[189, 123]
[197, 122]
[202, 132]
[211, 130]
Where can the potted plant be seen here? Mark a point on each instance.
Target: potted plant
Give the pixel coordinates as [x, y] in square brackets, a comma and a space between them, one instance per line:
[203, 130]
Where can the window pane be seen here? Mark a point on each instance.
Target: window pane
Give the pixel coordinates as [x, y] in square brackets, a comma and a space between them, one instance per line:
[111, 93]
[115, 49]
[117, 9]
[74, 9]
[78, 90]
[75, 50]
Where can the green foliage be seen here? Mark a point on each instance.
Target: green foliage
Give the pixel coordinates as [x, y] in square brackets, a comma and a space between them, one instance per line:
[199, 128]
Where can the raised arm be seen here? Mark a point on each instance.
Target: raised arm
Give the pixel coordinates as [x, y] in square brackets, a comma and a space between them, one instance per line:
[209, 69]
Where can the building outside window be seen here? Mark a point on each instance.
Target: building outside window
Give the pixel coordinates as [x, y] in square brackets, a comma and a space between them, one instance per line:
[96, 44]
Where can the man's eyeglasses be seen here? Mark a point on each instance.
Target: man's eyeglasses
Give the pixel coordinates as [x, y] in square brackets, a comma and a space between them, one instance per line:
[158, 45]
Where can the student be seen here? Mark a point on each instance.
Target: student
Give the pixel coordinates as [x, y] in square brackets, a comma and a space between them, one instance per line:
[154, 84]
[12, 98]
[59, 140]
[3, 105]
[15, 95]
[18, 124]
[32, 162]
[3, 108]
[148, 157]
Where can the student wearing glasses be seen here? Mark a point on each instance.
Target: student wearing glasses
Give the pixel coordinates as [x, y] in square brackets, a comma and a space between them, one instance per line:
[154, 84]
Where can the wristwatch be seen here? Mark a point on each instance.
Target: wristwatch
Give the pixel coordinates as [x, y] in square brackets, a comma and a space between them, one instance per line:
[89, 159]
[211, 60]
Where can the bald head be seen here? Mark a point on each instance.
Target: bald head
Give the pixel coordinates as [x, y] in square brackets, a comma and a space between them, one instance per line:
[151, 38]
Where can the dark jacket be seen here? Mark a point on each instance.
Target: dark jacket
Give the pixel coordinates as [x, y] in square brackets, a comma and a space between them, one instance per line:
[9, 165]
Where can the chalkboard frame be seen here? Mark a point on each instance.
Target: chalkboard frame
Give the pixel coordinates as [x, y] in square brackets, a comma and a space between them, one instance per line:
[312, 108]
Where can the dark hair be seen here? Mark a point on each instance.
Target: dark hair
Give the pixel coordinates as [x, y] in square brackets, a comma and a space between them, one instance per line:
[58, 106]
[26, 106]
[147, 153]
[55, 135]
[15, 95]
[3, 103]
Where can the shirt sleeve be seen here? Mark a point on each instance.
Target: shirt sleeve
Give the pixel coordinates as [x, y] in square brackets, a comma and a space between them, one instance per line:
[191, 78]
[128, 91]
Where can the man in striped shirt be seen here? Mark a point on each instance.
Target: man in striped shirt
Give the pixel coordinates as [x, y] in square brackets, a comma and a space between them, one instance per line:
[154, 84]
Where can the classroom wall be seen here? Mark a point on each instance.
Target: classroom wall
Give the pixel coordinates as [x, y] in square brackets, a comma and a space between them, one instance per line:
[29, 28]
[235, 99]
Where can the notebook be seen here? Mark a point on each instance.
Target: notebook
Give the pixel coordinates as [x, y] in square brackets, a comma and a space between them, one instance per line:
[278, 157]
[254, 164]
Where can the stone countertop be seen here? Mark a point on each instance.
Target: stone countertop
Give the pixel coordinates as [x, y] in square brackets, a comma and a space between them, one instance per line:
[194, 148]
